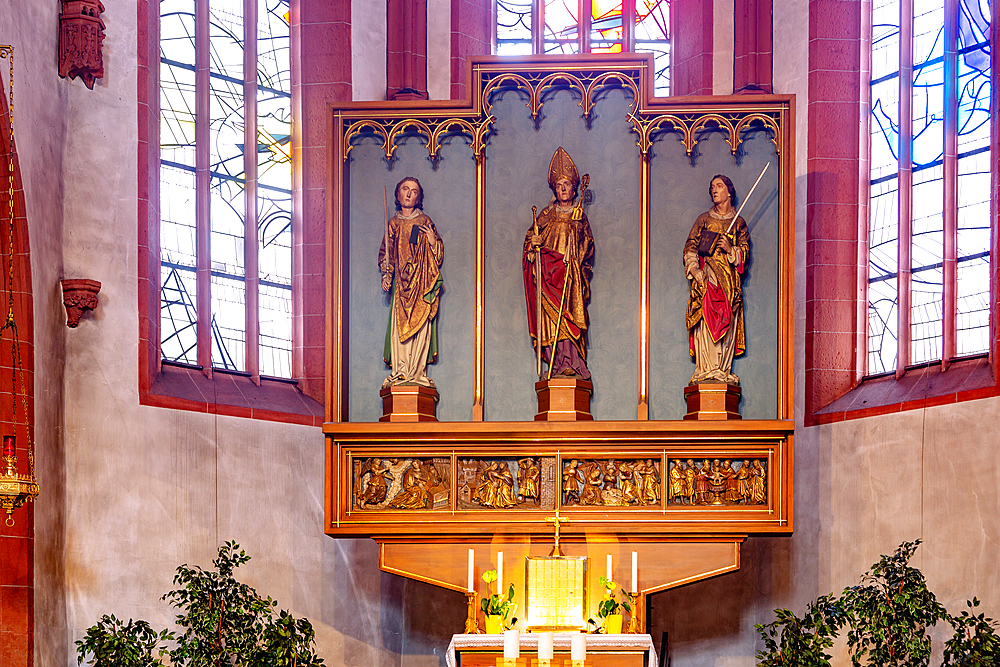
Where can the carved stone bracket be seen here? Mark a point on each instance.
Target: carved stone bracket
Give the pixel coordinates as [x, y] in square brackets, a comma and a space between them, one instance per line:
[81, 36]
[79, 296]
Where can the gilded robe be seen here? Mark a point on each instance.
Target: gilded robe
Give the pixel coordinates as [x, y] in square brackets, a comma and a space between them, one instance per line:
[411, 335]
[715, 308]
[561, 237]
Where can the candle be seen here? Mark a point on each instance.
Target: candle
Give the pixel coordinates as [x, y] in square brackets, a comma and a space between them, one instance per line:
[511, 644]
[500, 573]
[472, 569]
[635, 573]
[578, 647]
[545, 645]
[8, 445]
[610, 578]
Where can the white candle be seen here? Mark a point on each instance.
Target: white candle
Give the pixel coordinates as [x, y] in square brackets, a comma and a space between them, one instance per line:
[545, 645]
[511, 644]
[610, 578]
[578, 647]
[472, 569]
[635, 573]
[500, 573]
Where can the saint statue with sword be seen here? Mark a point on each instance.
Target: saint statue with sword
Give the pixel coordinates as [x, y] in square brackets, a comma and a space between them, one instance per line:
[715, 257]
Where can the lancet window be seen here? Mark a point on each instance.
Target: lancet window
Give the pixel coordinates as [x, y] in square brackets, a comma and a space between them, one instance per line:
[930, 216]
[226, 185]
[587, 26]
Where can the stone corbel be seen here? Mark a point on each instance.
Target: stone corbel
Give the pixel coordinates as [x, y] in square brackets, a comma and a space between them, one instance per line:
[79, 296]
[81, 36]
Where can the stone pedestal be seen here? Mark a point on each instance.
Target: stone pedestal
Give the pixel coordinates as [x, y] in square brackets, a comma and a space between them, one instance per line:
[712, 401]
[564, 400]
[409, 403]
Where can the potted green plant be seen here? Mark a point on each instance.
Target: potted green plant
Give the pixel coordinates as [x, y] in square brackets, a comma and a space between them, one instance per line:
[609, 611]
[112, 643]
[975, 642]
[888, 616]
[222, 620]
[496, 608]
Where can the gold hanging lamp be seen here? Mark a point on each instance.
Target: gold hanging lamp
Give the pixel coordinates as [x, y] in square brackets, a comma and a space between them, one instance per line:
[15, 489]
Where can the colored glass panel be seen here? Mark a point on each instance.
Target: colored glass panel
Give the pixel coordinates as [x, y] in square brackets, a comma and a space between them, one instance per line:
[925, 131]
[883, 227]
[274, 191]
[513, 27]
[227, 202]
[561, 30]
[178, 316]
[883, 295]
[927, 249]
[652, 34]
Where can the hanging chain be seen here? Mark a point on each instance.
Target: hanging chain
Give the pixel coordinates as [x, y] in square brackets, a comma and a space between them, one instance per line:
[11, 323]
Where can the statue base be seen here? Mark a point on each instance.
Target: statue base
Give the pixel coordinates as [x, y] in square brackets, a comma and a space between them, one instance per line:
[409, 403]
[564, 400]
[712, 401]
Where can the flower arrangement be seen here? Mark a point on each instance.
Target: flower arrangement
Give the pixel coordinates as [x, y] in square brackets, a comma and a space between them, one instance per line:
[496, 605]
[610, 606]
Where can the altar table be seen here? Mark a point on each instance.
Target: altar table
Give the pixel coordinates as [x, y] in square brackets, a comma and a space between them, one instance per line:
[602, 650]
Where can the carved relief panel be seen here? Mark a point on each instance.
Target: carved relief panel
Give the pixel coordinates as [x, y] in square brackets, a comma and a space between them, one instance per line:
[717, 482]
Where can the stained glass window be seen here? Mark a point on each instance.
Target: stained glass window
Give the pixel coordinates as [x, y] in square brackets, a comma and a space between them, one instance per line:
[225, 188]
[592, 26]
[929, 208]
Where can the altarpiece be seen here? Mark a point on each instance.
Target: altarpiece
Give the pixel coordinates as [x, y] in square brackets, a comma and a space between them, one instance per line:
[486, 474]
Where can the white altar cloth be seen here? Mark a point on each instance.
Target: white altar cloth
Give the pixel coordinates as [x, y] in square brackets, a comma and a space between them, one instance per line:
[560, 641]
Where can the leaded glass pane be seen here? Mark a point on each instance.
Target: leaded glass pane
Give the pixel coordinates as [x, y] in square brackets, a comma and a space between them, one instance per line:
[926, 253]
[883, 296]
[228, 323]
[974, 107]
[883, 222]
[561, 30]
[652, 34]
[606, 26]
[885, 39]
[928, 81]
[178, 315]
[227, 182]
[274, 192]
[513, 27]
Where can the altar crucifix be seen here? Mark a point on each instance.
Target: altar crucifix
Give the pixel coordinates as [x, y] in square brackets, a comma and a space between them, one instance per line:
[556, 520]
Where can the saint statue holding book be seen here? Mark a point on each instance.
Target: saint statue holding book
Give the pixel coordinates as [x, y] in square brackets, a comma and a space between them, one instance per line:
[410, 262]
[715, 257]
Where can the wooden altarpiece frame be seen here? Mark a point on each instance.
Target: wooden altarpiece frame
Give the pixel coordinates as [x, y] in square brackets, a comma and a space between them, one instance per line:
[680, 538]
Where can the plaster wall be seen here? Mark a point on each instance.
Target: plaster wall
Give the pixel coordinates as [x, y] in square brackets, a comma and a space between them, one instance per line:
[129, 492]
[40, 129]
[368, 40]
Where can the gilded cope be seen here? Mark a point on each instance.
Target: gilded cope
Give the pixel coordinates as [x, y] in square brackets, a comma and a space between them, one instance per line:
[410, 261]
[565, 244]
[715, 257]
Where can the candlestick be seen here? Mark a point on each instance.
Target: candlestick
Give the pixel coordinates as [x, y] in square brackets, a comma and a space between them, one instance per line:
[500, 573]
[635, 573]
[578, 647]
[545, 640]
[610, 578]
[511, 644]
[635, 624]
[8, 445]
[472, 620]
[472, 570]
